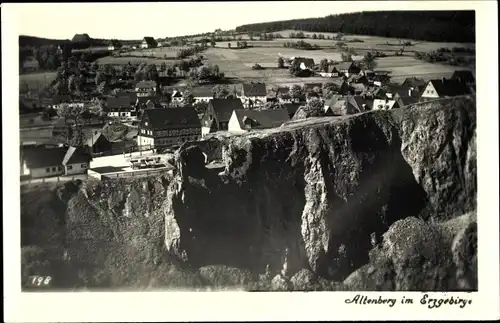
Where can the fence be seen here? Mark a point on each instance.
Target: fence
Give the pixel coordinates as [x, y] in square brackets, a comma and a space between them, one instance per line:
[139, 173]
[54, 179]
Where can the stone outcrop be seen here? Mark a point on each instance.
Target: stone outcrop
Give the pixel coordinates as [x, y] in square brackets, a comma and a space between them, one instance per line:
[366, 202]
[325, 190]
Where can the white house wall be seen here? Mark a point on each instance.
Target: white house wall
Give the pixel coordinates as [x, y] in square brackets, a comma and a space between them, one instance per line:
[234, 125]
[430, 92]
[42, 172]
[72, 169]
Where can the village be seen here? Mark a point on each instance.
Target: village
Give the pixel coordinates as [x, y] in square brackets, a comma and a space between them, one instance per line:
[120, 125]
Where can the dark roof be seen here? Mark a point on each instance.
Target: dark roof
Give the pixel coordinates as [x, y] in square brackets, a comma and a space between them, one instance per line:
[114, 103]
[145, 84]
[150, 40]
[414, 82]
[283, 90]
[261, 119]
[407, 100]
[202, 92]
[254, 89]
[166, 118]
[464, 76]
[145, 99]
[40, 157]
[343, 65]
[75, 155]
[447, 87]
[358, 101]
[224, 108]
[332, 68]
[308, 62]
[291, 107]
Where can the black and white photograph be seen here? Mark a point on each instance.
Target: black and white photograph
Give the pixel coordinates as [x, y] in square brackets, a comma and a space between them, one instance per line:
[250, 146]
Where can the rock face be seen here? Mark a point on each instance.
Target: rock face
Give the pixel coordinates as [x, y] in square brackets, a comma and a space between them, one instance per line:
[373, 200]
[325, 190]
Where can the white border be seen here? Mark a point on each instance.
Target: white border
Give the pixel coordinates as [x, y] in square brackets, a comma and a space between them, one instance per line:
[183, 306]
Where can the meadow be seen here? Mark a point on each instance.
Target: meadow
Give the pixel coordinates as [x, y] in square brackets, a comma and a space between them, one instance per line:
[36, 81]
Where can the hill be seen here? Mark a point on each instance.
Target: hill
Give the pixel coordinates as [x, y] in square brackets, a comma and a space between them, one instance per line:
[443, 26]
[25, 41]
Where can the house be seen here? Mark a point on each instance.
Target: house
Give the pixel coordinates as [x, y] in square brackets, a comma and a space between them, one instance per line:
[97, 142]
[253, 94]
[379, 104]
[285, 96]
[163, 128]
[464, 76]
[374, 92]
[358, 104]
[145, 88]
[331, 71]
[358, 79]
[218, 113]
[177, 96]
[357, 88]
[344, 88]
[120, 107]
[303, 114]
[312, 95]
[303, 62]
[76, 161]
[145, 102]
[291, 108]
[347, 68]
[413, 83]
[202, 94]
[114, 44]
[368, 73]
[149, 42]
[403, 101]
[443, 88]
[246, 120]
[39, 162]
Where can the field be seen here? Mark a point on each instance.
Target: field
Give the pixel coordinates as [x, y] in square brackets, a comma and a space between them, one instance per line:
[37, 81]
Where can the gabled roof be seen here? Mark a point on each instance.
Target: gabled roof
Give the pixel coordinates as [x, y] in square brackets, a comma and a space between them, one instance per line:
[116, 103]
[224, 108]
[145, 85]
[202, 92]
[171, 118]
[254, 89]
[93, 138]
[464, 76]
[308, 62]
[282, 90]
[407, 100]
[145, 99]
[343, 66]
[40, 157]
[150, 41]
[359, 103]
[332, 68]
[386, 104]
[447, 87]
[291, 107]
[75, 155]
[261, 119]
[414, 82]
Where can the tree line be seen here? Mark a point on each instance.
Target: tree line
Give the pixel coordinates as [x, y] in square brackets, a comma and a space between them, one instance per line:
[444, 26]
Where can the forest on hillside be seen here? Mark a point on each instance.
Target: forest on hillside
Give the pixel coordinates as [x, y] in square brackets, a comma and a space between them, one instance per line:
[441, 26]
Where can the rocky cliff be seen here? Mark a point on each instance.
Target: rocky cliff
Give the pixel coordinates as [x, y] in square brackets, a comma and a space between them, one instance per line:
[370, 200]
[320, 194]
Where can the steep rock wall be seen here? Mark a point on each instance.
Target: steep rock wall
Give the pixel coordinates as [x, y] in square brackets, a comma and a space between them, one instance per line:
[320, 193]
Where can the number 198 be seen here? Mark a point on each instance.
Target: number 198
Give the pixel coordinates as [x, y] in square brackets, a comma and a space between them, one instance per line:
[37, 280]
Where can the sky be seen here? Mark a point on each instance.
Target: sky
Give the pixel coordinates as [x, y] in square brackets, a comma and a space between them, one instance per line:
[167, 19]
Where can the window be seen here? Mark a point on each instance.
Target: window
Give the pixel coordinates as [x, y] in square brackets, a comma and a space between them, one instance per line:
[47, 170]
[53, 169]
[70, 167]
[83, 165]
[59, 168]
